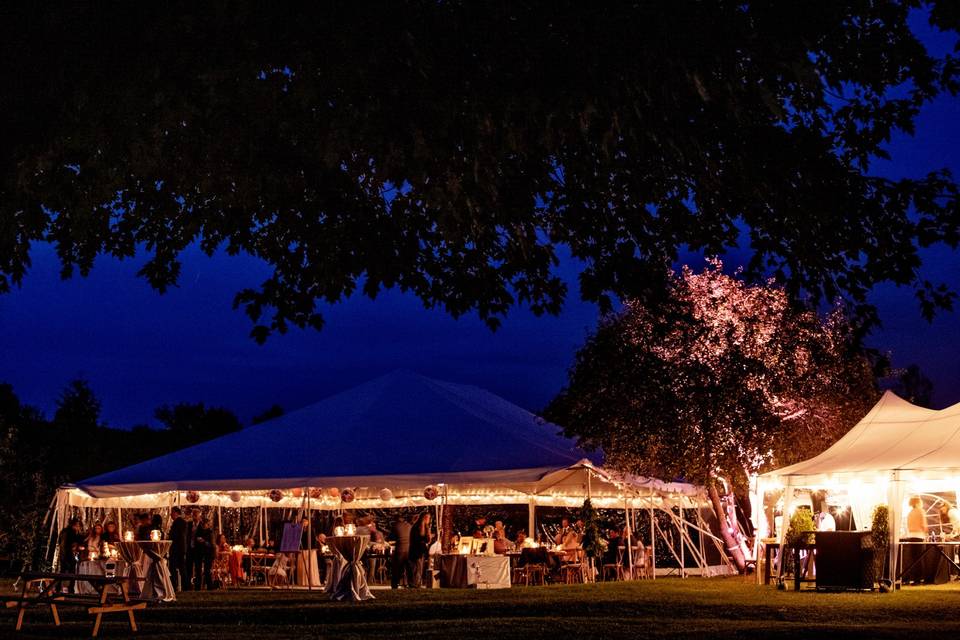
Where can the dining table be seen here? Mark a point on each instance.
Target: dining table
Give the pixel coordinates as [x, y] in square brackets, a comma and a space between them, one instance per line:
[348, 579]
[149, 573]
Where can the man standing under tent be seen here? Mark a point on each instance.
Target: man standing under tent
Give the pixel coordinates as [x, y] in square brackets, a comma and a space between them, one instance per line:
[177, 559]
[401, 552]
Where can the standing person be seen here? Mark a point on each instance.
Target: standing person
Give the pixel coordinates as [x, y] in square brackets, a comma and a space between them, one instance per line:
[203, 551]
[177, 559]
[143, 526]
[69, 545]
[191, 552]
[420, 538]
[401, 550]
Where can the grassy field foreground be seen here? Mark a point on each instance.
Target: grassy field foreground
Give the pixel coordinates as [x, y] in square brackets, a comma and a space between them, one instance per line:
[667, 608]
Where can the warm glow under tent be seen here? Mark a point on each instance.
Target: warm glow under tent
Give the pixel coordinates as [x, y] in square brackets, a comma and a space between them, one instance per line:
[896, 450]
[387, 440]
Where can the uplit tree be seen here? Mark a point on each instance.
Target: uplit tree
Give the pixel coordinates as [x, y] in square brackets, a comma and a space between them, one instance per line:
[720, 381]
[190, 423]
[356, 147]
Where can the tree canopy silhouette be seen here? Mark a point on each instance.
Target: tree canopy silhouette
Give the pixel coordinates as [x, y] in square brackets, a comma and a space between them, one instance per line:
[452, 148]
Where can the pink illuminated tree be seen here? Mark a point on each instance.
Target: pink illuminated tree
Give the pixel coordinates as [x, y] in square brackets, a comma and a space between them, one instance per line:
[721, 381]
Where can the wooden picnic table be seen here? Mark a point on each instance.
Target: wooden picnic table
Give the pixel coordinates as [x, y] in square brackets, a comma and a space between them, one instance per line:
[110, 596]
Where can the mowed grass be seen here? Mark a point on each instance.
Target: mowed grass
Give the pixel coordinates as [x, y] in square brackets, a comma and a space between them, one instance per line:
[666, 608]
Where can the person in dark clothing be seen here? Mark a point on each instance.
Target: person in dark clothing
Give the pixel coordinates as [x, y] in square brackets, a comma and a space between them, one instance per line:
[70, 544]
[421, 536]
[156, 523]
[143, 526]
[110, 533]
[401, 552]
[177, 559]
[202, 552]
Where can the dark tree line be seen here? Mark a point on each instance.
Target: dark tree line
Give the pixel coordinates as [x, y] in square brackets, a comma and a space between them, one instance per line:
[452, 148]
[38, 454]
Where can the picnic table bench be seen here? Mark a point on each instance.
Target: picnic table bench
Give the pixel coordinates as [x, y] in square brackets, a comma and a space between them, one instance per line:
[111, 596]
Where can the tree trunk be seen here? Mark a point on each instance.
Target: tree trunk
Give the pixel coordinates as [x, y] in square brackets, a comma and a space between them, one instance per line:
[733, 548]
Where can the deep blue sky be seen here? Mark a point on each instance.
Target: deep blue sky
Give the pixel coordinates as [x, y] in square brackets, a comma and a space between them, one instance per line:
[139, 349]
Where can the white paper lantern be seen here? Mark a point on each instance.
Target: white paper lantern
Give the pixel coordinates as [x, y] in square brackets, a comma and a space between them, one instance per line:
[386, 495]
[430, 493]
[193, 497]
[347, 495]
[234, 496]
[276, 495]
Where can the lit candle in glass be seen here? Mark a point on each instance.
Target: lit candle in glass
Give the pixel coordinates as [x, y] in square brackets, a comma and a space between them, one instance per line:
[338, 531]
[93, 556]
[128, 536]
[155, 535]
[351, 529]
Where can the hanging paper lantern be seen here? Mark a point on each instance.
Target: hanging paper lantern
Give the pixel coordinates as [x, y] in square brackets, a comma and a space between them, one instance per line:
[298, 492]
[234, 496]
[316, 494]
[386, 495]
[347, 495]
[430, 493]
[193, 497]
[333, 492]
[276, 495]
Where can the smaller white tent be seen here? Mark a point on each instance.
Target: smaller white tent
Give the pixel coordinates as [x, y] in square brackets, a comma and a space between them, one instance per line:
[896, 450]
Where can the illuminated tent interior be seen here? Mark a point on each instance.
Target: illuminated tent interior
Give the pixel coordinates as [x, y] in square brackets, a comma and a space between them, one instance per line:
[897, 450]
[385, 442]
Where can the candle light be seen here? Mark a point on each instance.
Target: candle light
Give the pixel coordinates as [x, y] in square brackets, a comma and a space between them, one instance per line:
[128, 536]
[93, 556]
[155, 535]
[338, 531]
[351, 529]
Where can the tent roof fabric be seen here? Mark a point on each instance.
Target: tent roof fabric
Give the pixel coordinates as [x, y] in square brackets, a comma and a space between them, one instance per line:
[401, 428]
[894, 437]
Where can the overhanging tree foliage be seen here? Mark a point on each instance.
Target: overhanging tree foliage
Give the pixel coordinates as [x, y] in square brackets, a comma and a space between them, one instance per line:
[449, 148]
[721, 381]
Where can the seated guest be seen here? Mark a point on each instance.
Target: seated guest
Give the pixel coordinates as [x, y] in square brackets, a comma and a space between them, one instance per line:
[110, 533]
[249, 543]
[94, 541]
[825, 520]
[521, 539]
[363, 526]
[478, 527]
[500, 543]
[376, 536]
[565, 529]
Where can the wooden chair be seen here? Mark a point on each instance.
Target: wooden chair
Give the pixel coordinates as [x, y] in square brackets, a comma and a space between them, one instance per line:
[613, 568]
[530, 574]
[278, 575]
[575, 571]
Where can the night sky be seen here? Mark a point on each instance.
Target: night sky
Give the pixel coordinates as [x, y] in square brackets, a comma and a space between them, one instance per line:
[139, 349]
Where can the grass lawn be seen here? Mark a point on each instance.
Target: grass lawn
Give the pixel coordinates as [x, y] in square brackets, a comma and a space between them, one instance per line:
[666, 608]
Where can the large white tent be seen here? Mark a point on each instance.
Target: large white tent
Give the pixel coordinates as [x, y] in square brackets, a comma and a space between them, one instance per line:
[896, 450]
[385, 440]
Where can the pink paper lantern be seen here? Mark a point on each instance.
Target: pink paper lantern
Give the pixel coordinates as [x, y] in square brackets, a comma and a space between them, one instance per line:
[192, 497]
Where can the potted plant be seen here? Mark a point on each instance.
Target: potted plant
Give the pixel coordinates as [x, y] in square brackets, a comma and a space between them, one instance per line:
[880, 532]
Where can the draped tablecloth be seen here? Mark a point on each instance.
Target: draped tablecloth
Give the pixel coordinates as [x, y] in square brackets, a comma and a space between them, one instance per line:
[307, 568]
[148, 559]
[351, 584]
[474, 572]
[237, 574]
[99, 568]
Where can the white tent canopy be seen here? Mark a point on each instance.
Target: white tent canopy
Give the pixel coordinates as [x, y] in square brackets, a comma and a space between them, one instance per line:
[400, 432]
[895, 450]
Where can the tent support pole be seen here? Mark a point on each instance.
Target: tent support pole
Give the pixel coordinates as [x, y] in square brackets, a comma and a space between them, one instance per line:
[532, 519]
[309, 561]
[626, 517]
[653, 542]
